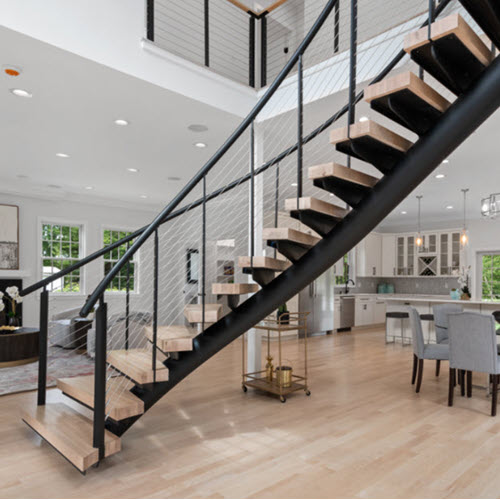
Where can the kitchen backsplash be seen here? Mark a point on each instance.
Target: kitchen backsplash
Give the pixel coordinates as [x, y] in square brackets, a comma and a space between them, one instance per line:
[427, 286]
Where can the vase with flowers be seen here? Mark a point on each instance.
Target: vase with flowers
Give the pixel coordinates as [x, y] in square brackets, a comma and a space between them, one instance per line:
[464, 281]
[13, 298]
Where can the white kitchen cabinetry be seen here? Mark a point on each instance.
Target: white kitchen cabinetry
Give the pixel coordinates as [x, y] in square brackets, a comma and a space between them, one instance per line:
[388, 255]
[405, 255]
[363, 313]
[369, 256]
[379, 311]
[337, 311]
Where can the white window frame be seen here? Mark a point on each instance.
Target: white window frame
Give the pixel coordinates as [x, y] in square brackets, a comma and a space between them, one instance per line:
[82, 250]
[135, 259]
[478, 271]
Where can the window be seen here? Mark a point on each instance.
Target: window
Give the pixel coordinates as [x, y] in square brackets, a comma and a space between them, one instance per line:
[345, 270]
[61, 248]
[127, 272]
[490, 284]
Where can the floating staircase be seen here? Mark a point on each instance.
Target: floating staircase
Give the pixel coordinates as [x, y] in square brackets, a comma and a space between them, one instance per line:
[455, 56]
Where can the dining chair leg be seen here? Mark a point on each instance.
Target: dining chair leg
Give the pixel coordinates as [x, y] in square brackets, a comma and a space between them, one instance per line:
[462, 382]
[420, 373]
[494, 396]
[451, 388]
[438, 367]
[469, 384]
[455, 377]
[414, 370]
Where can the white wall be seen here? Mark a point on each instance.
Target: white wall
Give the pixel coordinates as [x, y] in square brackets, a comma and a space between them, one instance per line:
[94, 217]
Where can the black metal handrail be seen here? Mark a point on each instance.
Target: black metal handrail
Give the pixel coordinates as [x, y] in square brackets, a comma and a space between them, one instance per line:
[274, 161]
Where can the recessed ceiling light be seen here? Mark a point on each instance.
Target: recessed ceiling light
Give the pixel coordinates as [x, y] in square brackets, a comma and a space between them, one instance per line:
[89, 188]
[62, 155]
[331, 194]
[173, 178]
[404, 212]
[449, 207]
[294, 184]
[143, 196]
[133, 170]
[200, 145]
[21, 93]
[121, 123]
[364, 119]
[440, 176]
[446, 161]
[196, 127]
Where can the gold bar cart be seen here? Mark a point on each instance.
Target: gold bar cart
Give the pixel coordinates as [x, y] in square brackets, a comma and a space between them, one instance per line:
[268, 380]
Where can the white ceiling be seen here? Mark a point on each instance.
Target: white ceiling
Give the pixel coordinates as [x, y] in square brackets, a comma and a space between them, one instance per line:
[75, 102]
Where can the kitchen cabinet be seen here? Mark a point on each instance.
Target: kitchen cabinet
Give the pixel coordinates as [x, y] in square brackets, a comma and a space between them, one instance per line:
[379, 312]
[337, 311]
[369, 256]
[405, 255]
[449, 253]
[388, 255]
[364, 313]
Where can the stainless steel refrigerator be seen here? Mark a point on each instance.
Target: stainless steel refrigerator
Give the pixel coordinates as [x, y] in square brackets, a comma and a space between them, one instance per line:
[318, 300]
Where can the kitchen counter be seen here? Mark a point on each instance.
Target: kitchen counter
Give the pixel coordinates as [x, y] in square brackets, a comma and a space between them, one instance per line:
[397, 297]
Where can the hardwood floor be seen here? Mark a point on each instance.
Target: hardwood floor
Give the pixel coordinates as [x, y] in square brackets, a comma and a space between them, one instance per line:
[363, 433]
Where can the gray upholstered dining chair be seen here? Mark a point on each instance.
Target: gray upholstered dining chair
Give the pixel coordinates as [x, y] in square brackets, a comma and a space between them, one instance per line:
[421, 350]
[473, 348]
[440, 313]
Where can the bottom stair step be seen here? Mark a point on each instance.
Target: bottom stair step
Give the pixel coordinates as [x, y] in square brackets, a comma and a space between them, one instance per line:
[120, 402]
[137, 364]
[70, 433]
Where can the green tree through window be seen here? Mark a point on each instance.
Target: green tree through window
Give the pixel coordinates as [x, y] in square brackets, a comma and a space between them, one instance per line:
[61, 249]
[119, 283]
[491, 277]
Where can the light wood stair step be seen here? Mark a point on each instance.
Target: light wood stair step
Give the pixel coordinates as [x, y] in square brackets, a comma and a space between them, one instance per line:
[194, 313]
[371, 142]
[120, 402]
[455, 57]
[289, 242]
[407, 100]
[137, 365]
[261, 262]
[347, 184]
[70, 433]
[319, 215]
[234, 288]
[172, 338]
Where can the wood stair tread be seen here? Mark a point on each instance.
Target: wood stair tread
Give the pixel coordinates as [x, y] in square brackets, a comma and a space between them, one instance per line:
[234, 288]
[407, 81]
[194, 313]
[288, 234]
[372, 130]
[261, 262]
[137, 365]
[120, 402]
[452, 24]
[172, 338]
[316, 205]
[70, 433]
[341, 172]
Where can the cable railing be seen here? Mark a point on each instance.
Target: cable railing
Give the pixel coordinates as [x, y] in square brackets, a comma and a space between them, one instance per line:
[236, 193]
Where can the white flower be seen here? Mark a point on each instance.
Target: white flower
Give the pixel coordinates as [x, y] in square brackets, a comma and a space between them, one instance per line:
[2, 306]
[13, 291]
[18, 299]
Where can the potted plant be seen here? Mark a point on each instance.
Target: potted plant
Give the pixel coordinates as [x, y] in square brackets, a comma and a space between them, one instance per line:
[14, 298]
[283, 315]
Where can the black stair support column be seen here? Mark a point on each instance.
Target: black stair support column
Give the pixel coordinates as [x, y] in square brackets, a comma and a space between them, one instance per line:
[276, 200]
[447, 68]
[300, 128]
[42, 347]
[100, 377]
[251, 51]
[204, 255]
[155, 302]
[432, 16]
[407, 115]
[336, 29]
[127, 305]
[150, 20]
[206, 29]
[252, 193]
[263, 50]
[463, 117]
[351, 113]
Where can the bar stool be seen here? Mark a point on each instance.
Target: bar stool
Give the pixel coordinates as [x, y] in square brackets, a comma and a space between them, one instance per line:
[427, 317]
[396, 315]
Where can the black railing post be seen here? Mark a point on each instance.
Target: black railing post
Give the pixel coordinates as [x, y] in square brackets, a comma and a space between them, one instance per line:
[204, 254]
[252, 193]
[276, 200]
[263, 51]
[100, 376]
[127, 305]
[251, 51]
[336, 29]
[42, 347]
[150, 20]
[207, 33]
[155, 303]
[300, 127]
[351, 113]
[432, 16]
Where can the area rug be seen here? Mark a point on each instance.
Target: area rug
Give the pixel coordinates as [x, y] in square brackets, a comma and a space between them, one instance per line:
[60, 364]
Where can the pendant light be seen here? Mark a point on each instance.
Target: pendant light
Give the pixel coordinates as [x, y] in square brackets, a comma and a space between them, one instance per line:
[419, 241]
[464, 237]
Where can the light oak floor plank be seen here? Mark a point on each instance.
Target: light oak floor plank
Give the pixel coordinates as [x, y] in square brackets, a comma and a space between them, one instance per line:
[362, 433]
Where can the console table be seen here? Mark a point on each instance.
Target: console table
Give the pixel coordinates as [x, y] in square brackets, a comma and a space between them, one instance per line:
[19, 347]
